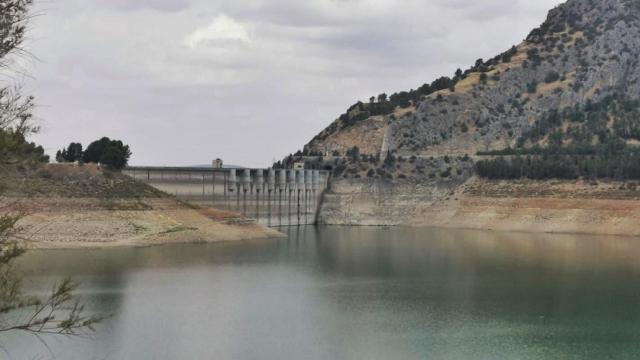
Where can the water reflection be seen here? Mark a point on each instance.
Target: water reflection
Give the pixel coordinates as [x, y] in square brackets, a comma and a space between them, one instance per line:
[356, 293]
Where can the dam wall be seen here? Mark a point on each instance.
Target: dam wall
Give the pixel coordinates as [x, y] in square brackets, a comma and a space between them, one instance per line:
[270, 197]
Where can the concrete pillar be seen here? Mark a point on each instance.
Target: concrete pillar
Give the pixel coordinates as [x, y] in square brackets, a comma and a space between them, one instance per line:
[232, 179]
[246, 179]
[308, 178]
[299, 179]
[234, 185]
[213, 188]
[300, 187]
[271, 180]
[308, 184]
[281, 179]
[282, 185]
[246, 184]
[315, 179]
[259, 184]
[291, 179]
[271, 185]
[259, 179]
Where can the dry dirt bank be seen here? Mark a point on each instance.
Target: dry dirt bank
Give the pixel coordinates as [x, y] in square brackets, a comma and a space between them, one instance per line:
[605, 208]
[90, 222]
[580, 216]
[68, 206]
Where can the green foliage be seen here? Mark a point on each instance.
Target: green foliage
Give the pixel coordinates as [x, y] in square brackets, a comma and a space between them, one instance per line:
[16, 119]
[354, 154]
[580, 143]
[534, 57]
[13, 17]
[386, 105]
[390, 160]
[589, 122]
[16, 111]
[551, 77]
[506, 57]
[15, 148]
[72, 153]
[625, 166]
[112, 153]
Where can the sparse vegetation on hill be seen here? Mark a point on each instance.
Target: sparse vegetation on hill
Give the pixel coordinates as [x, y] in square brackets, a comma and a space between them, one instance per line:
[70, 181]
[590, 141]
[385, 105]
[563, 103]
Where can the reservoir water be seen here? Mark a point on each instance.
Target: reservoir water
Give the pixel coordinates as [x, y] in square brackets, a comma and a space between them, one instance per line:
[351, 293]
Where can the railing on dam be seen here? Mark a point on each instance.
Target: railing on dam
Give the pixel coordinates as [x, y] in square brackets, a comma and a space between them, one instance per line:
[271, 197]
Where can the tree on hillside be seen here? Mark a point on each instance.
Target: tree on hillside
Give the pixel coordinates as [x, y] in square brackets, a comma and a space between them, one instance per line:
[112, 153]
[354, 154]
[551, 77]
[72, 153]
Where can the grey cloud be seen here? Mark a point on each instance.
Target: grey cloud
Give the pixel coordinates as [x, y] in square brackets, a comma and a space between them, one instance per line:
[305, 63]
[159, 5]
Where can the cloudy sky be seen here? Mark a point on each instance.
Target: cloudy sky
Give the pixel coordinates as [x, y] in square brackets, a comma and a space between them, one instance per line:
[186, 81]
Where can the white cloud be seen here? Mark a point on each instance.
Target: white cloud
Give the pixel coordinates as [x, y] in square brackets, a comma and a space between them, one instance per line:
[222, 29]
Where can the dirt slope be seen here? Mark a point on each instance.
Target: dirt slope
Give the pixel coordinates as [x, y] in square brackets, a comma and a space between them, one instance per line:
[72, 207]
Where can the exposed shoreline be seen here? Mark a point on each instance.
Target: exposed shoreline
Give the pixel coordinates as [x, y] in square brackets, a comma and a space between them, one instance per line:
[552, 207]
[79, 223]
[67, 206]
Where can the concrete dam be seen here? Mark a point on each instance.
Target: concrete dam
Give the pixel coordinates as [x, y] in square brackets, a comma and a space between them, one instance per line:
[271, 197]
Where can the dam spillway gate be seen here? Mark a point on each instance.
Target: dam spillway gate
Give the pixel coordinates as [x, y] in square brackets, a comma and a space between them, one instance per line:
[271, 197]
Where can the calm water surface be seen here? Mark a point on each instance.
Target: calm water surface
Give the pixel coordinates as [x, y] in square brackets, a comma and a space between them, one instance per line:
[353, 293]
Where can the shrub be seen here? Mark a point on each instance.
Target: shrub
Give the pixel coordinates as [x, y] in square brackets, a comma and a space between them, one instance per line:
[112, 153]
[551, 77]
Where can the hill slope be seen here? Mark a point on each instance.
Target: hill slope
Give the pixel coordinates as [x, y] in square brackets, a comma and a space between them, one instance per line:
[561, 108]
[585, 52]
[67, 206]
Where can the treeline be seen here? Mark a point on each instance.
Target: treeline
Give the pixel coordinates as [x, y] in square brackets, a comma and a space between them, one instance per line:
[587, 123]
[612, 160]
[569, 167]
[111, 153]
[385, 105]
[589, 141]
[610, 147]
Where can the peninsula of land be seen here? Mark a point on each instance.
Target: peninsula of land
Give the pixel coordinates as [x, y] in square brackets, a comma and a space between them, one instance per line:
[71, 206]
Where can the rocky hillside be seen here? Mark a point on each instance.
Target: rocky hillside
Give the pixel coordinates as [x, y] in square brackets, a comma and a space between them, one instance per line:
[586, 52]
[543, 137]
